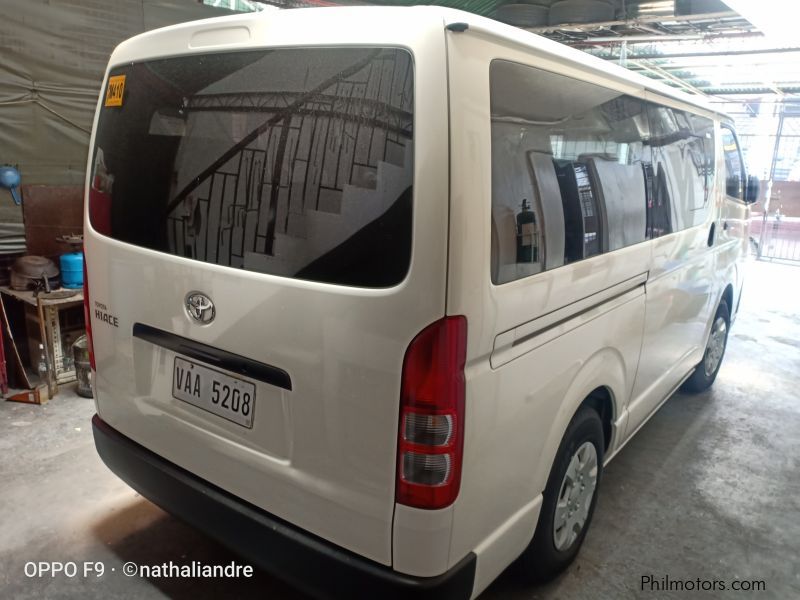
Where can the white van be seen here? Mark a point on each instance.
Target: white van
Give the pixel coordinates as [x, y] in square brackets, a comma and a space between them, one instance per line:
[375, 293]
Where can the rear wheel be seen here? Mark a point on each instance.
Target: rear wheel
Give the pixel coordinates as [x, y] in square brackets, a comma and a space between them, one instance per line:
[569, 498]
[706, 372]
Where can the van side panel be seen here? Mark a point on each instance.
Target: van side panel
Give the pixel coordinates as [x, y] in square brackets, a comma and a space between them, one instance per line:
[537, 346]
[681, 297]
[690, 272]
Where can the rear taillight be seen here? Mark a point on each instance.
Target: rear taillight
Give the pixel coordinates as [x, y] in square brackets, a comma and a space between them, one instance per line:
[431, 436]
[87, 315]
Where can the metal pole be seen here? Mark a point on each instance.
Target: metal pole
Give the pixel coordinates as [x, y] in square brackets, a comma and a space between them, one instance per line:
[768, 195]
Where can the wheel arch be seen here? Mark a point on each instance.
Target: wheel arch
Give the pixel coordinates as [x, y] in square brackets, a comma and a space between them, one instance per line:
[601, 384]
[601, 401]
[727, 295]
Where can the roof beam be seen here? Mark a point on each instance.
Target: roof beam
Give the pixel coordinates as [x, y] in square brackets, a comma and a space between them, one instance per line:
[665, 37]
[669, 77]
[654, 56]
[633, 23]
[745, 91]
[695, 68]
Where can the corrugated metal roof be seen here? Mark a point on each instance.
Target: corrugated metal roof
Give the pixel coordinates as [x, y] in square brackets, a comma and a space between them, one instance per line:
[484, 8]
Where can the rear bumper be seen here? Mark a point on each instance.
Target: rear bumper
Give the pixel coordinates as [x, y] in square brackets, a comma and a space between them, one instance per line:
[304, 560]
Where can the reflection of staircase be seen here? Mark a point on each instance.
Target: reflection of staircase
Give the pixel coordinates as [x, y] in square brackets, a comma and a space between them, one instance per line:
[311, 234]
[319, 168]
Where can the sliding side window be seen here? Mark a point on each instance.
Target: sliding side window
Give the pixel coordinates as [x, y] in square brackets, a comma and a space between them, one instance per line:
[570, 173]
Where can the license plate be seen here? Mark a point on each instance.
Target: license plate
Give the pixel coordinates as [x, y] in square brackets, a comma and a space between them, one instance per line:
[225, 396]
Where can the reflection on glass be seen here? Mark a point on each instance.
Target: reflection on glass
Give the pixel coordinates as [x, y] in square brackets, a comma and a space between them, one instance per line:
[734, 179]
[527, 235]
[603, 170]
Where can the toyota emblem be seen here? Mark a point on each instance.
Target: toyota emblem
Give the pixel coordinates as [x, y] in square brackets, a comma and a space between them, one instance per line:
[200, 307]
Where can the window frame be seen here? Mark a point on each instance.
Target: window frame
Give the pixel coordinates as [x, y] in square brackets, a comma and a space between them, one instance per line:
[742, 168]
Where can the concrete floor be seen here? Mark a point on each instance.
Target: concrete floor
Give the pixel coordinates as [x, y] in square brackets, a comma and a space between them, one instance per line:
[709, 488]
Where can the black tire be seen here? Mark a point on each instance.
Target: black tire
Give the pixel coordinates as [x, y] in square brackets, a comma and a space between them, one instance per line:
[542, 561]
[700, 380]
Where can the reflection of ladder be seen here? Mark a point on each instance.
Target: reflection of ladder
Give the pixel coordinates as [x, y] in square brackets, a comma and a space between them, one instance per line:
[228, 222]
[344, 150]
[315, 232]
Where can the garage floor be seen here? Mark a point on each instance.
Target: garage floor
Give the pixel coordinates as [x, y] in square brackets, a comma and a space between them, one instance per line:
[709, 488]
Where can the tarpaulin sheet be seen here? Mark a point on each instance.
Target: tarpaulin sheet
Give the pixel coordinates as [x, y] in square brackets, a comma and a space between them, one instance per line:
[53, 54]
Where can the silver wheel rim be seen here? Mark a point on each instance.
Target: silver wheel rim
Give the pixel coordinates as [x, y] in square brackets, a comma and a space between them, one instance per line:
[575, 496]
[716, 346]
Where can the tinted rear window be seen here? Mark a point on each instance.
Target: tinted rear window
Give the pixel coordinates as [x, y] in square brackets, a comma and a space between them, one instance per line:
[293, 162]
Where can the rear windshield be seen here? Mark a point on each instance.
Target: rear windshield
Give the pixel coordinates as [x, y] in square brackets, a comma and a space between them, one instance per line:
[293, 162]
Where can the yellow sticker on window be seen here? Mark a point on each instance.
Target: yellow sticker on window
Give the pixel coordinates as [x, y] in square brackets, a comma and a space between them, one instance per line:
[116, 87]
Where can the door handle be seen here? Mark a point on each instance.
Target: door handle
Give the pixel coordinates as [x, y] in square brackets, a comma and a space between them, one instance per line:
[711, 234]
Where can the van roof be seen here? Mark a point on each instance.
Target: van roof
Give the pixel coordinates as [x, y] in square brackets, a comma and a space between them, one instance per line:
[400, 16]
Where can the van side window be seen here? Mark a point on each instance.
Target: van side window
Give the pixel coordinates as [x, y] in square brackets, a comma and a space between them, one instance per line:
[570, 170]
[683, 169]
[734, 167]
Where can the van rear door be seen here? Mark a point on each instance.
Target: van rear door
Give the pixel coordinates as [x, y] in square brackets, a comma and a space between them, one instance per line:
[267, 235]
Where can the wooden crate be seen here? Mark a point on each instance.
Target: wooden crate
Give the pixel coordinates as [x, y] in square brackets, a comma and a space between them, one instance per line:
[66, 325]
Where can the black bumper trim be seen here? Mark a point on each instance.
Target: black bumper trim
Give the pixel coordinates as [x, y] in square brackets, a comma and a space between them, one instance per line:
[214, 356]
[301, 558]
